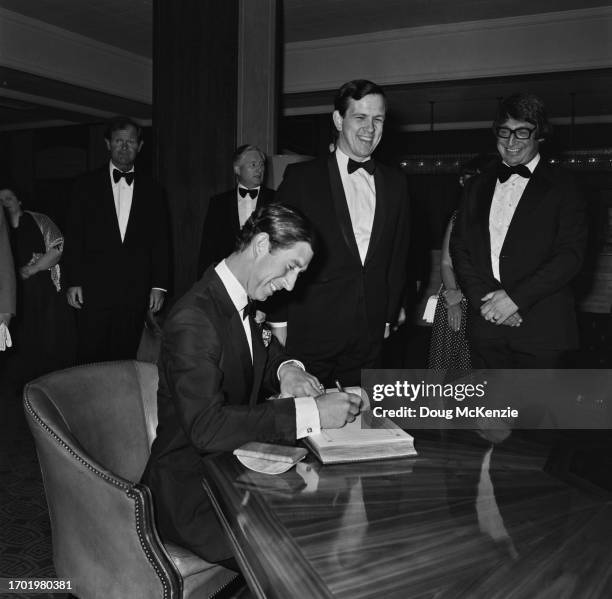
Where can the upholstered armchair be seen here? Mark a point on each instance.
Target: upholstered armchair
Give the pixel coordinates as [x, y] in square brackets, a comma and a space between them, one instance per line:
[93, 427]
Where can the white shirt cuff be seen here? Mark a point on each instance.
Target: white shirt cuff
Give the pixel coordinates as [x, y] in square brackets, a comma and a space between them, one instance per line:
[276, 325]
[295, 362]
[307, 421]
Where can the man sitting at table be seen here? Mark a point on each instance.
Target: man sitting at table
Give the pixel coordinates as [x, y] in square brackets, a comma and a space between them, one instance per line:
[214, 361]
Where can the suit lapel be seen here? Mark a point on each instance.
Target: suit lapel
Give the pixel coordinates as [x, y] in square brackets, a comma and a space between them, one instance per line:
[380, 213]
[341, 207]
[108, 201]
[239, 340]
[259, 361]
[535, 192]
[232, 207]
[236, 333]
[484, 198]
[137, 195]
[265, 196]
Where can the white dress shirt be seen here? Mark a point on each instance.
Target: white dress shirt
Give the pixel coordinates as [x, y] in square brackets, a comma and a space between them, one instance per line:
[307, 421]
[246, 205]
[360, 193]
[506, 198]
[123, 194]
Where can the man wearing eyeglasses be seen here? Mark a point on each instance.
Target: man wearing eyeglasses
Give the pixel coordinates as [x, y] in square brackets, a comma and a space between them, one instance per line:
[518, 242]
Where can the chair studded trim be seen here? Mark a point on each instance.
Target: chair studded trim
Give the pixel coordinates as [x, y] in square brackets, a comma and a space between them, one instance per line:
[164, 567]
[157, 556]
[115, 481]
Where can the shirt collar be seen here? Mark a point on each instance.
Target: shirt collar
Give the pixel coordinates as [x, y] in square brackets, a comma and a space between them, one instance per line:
[342, 160]
[233, 287]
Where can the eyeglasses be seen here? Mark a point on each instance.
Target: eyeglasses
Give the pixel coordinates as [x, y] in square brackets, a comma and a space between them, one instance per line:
[520, 133]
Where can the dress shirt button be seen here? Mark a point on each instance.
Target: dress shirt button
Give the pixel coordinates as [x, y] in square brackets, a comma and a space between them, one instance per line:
[309, 430]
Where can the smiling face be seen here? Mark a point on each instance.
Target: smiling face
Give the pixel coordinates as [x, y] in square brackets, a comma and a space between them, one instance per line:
[515, 151]
[124, 147]
[361, 127]
[276, 269]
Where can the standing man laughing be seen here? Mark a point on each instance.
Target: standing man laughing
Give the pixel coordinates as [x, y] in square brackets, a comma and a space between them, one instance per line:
[518, 242]
[342, 309]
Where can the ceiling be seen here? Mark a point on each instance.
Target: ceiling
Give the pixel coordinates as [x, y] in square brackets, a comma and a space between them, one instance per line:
[127, 24]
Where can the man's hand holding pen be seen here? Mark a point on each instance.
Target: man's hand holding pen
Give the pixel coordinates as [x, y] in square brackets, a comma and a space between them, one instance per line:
[338, 407]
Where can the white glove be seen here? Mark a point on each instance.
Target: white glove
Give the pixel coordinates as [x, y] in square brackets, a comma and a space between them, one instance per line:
[5, 337]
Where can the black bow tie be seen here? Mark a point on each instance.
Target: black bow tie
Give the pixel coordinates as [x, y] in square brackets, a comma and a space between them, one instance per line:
[368, 165]
[117, 174]
[504, 171]
[252, 192]
[249, 310]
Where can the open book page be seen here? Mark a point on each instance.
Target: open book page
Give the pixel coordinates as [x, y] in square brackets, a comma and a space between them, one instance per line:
[364, 430]
[358, 432]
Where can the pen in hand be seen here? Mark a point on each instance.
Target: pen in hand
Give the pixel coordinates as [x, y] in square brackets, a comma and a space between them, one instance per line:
[339, 386]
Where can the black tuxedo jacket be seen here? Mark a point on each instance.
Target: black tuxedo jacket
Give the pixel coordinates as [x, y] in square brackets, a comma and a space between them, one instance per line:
[208, 402]
[338, 293]
[221, 226]
[542, 252]
[112, 272]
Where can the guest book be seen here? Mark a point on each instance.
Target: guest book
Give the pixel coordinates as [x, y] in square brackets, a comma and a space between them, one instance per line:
[366, 438]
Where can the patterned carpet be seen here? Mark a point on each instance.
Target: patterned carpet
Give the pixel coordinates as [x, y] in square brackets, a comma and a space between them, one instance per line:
[25, 535]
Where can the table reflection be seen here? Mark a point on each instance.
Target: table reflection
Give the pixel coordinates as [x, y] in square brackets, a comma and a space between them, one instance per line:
[466, 518]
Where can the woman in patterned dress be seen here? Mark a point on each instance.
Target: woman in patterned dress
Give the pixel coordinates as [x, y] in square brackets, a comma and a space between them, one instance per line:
[449, 348]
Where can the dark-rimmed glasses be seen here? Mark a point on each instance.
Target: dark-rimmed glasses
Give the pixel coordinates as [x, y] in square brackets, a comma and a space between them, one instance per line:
[519, 133]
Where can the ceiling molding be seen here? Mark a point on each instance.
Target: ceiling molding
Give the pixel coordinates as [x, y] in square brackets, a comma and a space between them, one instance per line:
[36, 125]
[42, 49]
[583, 120]
[542, 43]
[60, 104]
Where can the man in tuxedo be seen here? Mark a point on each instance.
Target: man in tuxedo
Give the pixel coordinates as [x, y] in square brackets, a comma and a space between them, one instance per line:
[343, 308]
[518, 242]
[116, 250]
[228, 211]
[213, 363]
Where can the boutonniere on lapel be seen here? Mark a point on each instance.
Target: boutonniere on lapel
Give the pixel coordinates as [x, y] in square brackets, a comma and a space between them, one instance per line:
[266, 333]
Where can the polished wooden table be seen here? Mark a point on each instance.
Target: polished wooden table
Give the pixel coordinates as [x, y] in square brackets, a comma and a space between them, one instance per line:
[457, 521]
